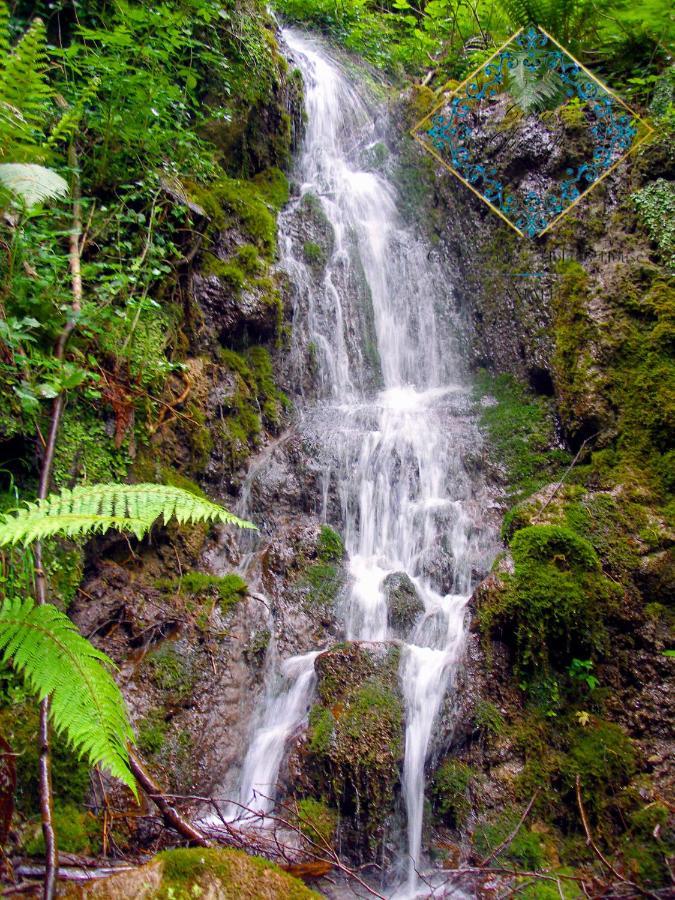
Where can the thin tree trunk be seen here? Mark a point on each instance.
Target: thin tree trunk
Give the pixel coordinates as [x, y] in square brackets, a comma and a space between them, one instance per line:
[44, 760]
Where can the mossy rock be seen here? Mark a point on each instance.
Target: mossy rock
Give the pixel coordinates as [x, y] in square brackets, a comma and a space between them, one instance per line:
[355, 740]
[556, 603]
[209, 874]
[404, 604]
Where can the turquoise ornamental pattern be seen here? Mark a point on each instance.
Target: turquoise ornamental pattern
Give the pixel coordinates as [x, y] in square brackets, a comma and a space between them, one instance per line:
[450, 131]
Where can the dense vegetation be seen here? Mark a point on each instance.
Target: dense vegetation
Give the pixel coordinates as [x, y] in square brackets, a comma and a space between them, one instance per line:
[451, 38]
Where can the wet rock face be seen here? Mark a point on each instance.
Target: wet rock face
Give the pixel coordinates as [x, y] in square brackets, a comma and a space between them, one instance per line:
[234, 316]
[404, 605]
[351, 754]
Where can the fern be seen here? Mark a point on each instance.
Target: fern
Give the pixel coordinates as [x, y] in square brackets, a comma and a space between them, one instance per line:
[23, 83]
[4, 30]
[57, 662]
[89, 509]
[32, 183]
[533, 92]
[65, 128]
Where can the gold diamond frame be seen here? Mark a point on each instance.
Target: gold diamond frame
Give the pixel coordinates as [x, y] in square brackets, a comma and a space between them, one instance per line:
[649, 131]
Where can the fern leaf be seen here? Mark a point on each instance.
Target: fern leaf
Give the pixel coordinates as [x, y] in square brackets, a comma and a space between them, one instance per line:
[89, 509]
[32, 183]
[24, 85]
[86, 706]
[65, 128]
[4, 33]
[534, 92]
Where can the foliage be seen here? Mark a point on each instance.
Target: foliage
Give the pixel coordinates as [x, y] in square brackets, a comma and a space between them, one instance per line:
[95, 508]
[453, 38]
[57, 662]
[534, 92]
[655, 204]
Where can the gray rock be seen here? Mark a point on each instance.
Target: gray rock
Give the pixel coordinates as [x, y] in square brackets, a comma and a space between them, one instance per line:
[404, 605]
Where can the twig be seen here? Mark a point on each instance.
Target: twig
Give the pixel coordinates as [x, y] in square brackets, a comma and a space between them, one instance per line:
[564, 476]
[505, 843]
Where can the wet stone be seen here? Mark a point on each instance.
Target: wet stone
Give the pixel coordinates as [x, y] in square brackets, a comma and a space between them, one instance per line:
[404, 604]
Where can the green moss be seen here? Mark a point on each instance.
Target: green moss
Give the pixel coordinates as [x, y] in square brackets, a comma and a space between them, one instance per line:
[330, 546]
[313, 253]
[152, 733]
[231, 202]
[317, 820]
[526, 850]
[70, 775]
[249, 260]
[273, 186]
[488, 719]
[254, 401]
[76, 832]
[64, 565]
[355, 739]
[176, 479]
[228, 589]
[450, 791]
[521, 432]
[323, 581]
[187, 872]
[321, 726]
[227, 271]
[603, 757]
[85, 452]
[555, 603]
[170, 671]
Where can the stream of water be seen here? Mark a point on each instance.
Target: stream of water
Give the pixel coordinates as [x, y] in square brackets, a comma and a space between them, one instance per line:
[392, 417]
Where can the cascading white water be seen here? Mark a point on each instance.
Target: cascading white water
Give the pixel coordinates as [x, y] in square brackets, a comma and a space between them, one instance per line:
[284, 706]
[391, 422]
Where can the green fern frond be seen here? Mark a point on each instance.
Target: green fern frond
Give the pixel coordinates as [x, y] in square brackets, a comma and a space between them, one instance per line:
[4, 32]
[534, 92]
[23, 83]
[86, 706]
[65, 128]
[32, 183]
[524, 12]
[89, 509]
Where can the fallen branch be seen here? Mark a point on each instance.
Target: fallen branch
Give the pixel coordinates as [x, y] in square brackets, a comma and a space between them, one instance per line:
[507, 841]
[169, 813]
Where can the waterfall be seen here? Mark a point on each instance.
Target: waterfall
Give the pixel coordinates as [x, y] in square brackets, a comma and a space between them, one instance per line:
[392, 421]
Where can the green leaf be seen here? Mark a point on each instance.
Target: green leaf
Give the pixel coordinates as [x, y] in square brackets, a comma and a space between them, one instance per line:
[90, 509]
[86, 706]
[32, 183]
